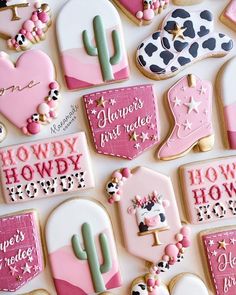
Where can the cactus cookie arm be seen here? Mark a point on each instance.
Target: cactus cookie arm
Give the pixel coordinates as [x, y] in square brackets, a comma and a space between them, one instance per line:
[91, 50]
[79, 252]
[117, 48]
[107, 261]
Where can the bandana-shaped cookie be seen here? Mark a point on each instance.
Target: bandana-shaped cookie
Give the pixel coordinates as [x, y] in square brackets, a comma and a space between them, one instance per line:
[184, 38]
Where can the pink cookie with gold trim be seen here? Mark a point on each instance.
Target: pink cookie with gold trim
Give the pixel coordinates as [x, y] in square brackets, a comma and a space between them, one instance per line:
[209, 190]
[228, 16]
[21, 254]
[29, 87]
[219, 246]
[149, 216]
[45, 168]
[124, 121]
[23, 22]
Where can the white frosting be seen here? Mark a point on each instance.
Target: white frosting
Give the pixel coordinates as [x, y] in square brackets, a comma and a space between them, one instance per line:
[67, 219]
[77, 16]
[228, 84]
[189, 284]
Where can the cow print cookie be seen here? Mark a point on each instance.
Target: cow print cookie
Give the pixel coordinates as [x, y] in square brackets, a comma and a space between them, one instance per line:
[45, 168]
[148, 285]
[31, 90]
[23, 23]
[228, 16]
[79, 233]
[21, 254]
[142, 12]
[220, 255]
[190, 102]
[209, 189]
[184, 38]
[149, 216]
[124, 121]
[92, 45]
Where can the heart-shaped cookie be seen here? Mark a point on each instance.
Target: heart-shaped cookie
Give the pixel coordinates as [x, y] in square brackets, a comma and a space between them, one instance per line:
[23, 22]
[28, 91]
[183, 284]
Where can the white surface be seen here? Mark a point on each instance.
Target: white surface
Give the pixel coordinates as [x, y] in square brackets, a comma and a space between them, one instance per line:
[103, 166]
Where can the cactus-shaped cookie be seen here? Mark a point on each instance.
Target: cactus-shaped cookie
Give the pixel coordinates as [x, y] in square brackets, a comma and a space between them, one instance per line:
[89, 253]
[102, 50]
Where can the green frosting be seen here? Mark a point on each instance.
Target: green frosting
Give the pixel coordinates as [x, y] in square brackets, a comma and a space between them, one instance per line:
[102, 50]
[90, 254]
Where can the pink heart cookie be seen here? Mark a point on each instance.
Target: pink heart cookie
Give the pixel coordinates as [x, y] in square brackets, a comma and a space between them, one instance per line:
[124, 121]
[21, 255]
[23, 22]
[220, 254]
[28, 91]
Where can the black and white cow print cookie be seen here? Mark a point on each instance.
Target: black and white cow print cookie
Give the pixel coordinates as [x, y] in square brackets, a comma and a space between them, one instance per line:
[184, 38]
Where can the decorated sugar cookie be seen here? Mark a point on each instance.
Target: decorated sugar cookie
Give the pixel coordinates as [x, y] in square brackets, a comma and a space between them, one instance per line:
[29, 87]
[228, 16]
[142, 12]
[187, 2]
[183, 284]
[190, 102]
[45, 168]
[149, 216]
[183, 39]
[3, 132]
[208, 189]
[92, 46]
[225, 89]
[124, 121]
[21, 255]
[79, 233]
[219, 253]
[23, 22]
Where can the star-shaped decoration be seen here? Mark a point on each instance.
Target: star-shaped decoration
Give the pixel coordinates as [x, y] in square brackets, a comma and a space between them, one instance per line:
[222, 245]
[177, 32]
[101, 102]
[30, 259]
[214, 253]
[93, 112]
[26, 268]
[133, 137]
[177, 101]
[112, 101]
[36, 268]
[19, 278]
[211, 243]
[144, 136]
[232, 241]
[187, 125]
[152, 126]
[192, 105]
[90, 101]
[202, 90]
[13, 270]
[137, 146]
[154, 137]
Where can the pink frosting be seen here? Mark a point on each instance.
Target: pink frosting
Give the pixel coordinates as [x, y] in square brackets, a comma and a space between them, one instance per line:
[230, 11]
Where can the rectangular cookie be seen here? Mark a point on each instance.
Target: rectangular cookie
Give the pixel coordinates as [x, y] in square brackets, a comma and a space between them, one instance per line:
[209, 189]
[45, 168]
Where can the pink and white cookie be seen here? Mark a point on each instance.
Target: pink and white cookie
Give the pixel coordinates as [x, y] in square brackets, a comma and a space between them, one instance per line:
[228, 16]
[79, 233]
[23, 22]
[209, 190]
[142, 12]
[149, 216]
[184, 38]
[92, 45]
[225, 90]
[45, 168]
[190, 102]
[28, 86]
[220, 254]
[21, 254]
[124, 121]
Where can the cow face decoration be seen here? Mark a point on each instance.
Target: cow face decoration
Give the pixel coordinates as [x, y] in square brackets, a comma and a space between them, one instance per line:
[150, 212]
